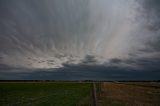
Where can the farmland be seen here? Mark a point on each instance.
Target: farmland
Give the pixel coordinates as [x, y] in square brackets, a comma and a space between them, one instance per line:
[129, 94]
[63, 93]
[44, 93]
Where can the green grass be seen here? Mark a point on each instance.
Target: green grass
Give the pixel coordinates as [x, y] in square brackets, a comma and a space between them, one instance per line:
[43, 93]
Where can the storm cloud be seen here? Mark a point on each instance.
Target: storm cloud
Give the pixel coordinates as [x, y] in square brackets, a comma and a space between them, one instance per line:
[79, 38]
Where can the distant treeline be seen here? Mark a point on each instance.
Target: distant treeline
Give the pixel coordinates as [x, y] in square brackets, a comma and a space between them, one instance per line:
[77, 81]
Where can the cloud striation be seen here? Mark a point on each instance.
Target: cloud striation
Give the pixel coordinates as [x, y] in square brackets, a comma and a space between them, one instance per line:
[79, 39]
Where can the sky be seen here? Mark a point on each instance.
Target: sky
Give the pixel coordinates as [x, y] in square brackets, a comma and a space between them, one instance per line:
[80, 39]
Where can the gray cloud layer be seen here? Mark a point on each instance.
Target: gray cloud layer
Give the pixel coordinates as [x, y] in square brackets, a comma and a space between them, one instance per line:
[86, 37]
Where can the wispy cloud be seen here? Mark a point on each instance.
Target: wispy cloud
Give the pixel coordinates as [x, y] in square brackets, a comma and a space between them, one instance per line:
[83, 35]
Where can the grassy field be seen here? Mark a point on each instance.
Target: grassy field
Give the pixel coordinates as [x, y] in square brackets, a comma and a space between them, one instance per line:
[44, 94]
[129, 94]
[79, 94]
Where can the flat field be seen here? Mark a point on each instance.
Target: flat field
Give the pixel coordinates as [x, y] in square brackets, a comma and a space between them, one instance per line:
[44, 94]
[79, 94]
[128, 94]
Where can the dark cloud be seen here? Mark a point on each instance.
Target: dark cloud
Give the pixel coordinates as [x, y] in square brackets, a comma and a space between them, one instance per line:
[112, 70]
[89, 59]
[28, 21]
[4, 66]
[152, 14]
[115, 61]
[84, 72]
[85, 39]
